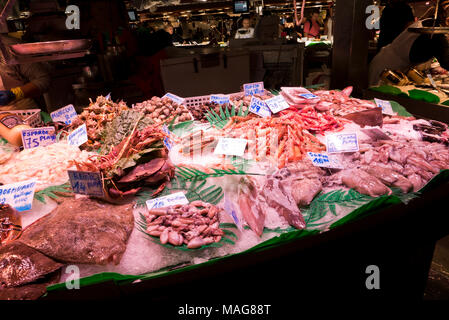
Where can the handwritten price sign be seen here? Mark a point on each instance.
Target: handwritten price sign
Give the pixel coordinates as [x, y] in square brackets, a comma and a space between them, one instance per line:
[166, 201]
[87, 183]
[38, 137]
[66, 114]
[343, 142]
[253, 88]
[259, 107]
[277, 104]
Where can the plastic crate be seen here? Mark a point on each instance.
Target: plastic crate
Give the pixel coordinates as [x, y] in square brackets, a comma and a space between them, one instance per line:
[196, 101]
[31, 117]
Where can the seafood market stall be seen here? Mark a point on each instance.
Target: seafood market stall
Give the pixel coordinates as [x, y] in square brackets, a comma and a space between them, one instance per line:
[253, 192]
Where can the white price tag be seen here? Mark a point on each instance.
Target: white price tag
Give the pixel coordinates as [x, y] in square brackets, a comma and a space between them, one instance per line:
[432, 82]
[342, 142]
[259, 107]
[324, 160]
[385, 106]
[231, 146]
[66, 114]
[78, 136]
[219, 98]
[253, 88]
[166, 201]
[174, 98]
[18, 195]
[277, 104]
[38, 137]
[87, 183]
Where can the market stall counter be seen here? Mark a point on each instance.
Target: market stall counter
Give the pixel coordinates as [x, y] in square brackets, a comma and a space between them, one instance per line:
[224, 196]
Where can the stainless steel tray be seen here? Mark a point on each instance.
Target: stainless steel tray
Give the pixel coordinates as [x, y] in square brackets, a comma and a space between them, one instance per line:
[50, 47]
[430, 30]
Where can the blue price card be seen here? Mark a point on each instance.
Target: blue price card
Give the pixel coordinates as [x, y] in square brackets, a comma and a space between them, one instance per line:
[66, 114]
[38, 137]
[259, 107]
[18, 195]
[277, 104]
[166, 201]
[87, 183]
[253, 88]
[219, 98]
[342, 142]
[78, 136]
[174, 98]
[308, 96]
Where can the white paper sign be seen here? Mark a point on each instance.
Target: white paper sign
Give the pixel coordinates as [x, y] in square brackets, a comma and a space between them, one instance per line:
[87, 183]
[432, 82]
[219, 98]
[38, 137]
[166, 201]
[324, 160]
[259, 107]
[66, 114]
[18, 195]
[78, 136]
[385, 105]
[253, 88]
[277, 104]
[342, 142]
[231, 146]
[174, 98]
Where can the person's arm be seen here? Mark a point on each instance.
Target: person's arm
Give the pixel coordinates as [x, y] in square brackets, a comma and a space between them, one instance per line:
[36, 82]
[426, 47]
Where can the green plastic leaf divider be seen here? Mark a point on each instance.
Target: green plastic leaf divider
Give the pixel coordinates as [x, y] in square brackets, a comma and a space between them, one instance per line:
[50, 192]
[45, 117]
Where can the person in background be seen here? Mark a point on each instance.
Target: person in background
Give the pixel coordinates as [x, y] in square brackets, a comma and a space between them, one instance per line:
[312, 26]
[328, 25]
[20, 84]
[395, 18]
[409, 48]
[246, 31]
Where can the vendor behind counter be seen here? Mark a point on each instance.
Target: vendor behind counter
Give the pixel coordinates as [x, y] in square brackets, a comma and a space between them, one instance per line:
[20, 84]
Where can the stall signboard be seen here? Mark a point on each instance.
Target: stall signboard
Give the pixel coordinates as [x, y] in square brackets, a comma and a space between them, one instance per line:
[66, 114]
[166, 201]
[38, 137]
[18, 195]
[253, 88]
[87, 183]
[174, 98]
[277, 104]
[385, 106]
[342, 142]
[231, 146]
[78, 136]
[259, 107]
[324, 160]
[219, 98]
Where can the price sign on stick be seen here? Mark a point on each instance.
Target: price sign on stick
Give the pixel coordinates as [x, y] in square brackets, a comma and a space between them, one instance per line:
[38, 137]
[253, 88]
[87, 183]
[78, 136]
[277, 104]
[231, 146]
[342, 142]
[174, 98]
[18, 195]
[324, 160]
[166, 201]
[259, 107]
[66, 114]
[385, 105]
